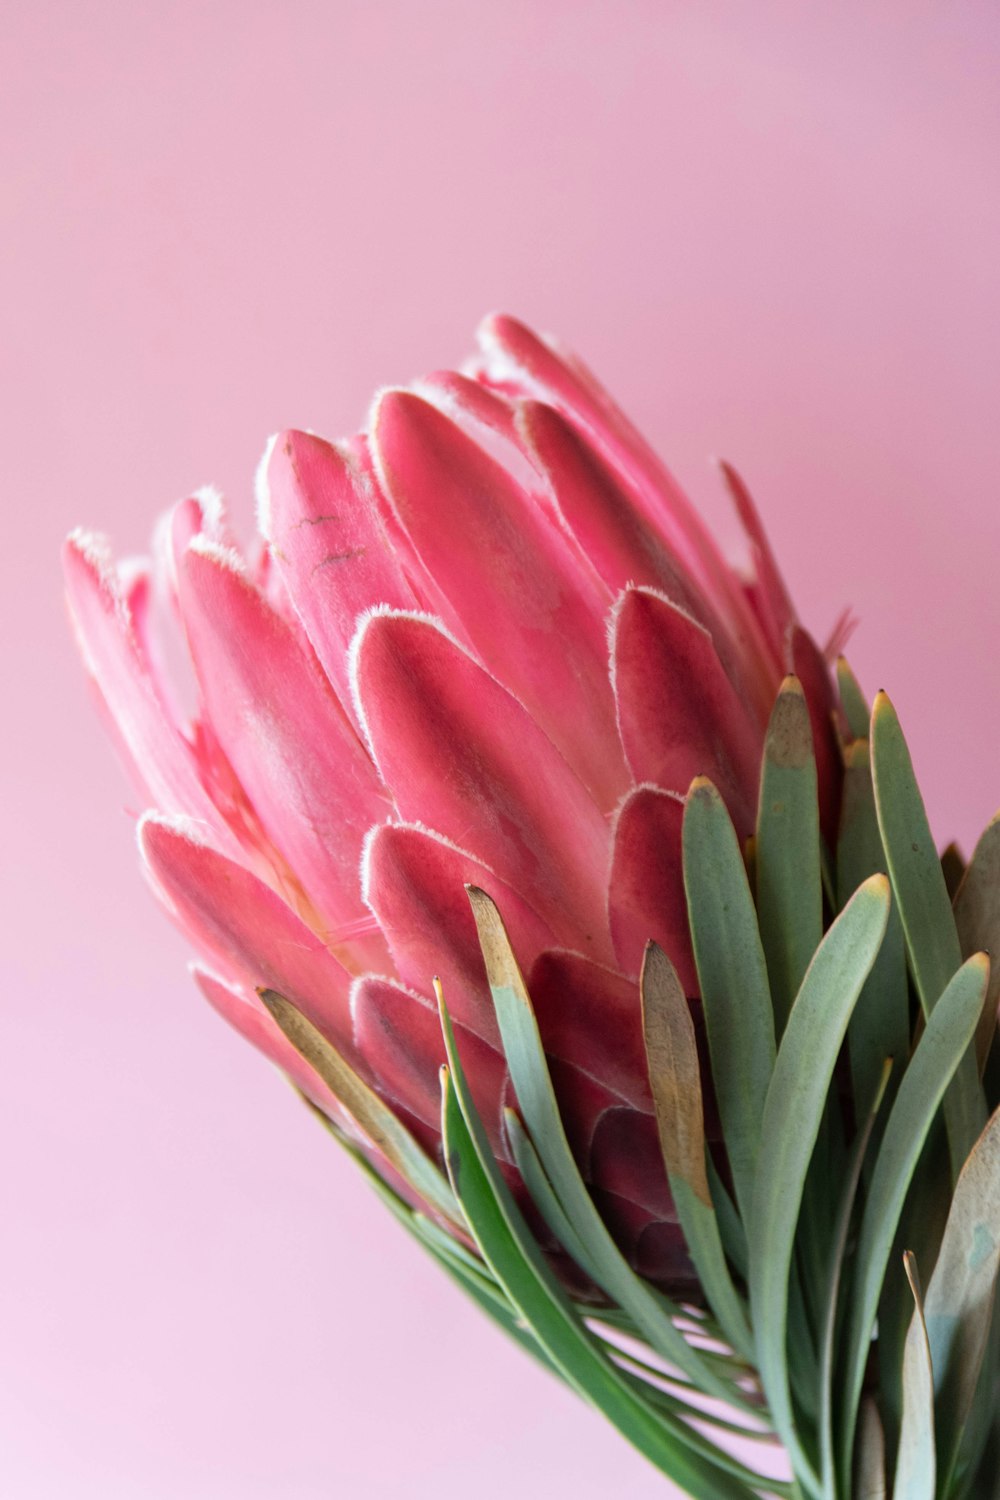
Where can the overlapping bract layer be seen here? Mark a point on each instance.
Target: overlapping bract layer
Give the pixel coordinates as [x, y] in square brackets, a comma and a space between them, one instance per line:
[486, 642]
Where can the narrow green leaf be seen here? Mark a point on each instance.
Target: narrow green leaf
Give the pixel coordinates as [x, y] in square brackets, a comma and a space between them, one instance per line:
[542, 1194]
[733, 1234]
[880, 1025]
[977, 917]
[916, 1462]
[372, 1116]
[921, 894]
[792, 1115]
[675, 1079]
[832, 1300]
[917, 881]
[732, 974]
[958, 1308]
[788, 865]
[938, 1053]
[855, 705]
[509, 1249]
[651, 1312]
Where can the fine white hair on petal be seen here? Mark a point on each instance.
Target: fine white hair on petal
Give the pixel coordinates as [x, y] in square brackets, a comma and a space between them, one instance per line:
[213, 508]
[412, 826]
[218, 552]
[382, 979]
[195, 830]
[361, 624]
[642, 786]
[261, 489]
[95, 549]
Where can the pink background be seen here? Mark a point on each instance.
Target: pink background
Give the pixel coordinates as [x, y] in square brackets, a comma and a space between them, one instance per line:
[775, 230]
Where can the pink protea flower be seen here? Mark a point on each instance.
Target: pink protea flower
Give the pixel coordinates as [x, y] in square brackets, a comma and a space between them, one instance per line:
[487, 642]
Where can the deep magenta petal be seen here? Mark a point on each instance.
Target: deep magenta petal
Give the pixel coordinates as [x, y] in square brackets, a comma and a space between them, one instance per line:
[678, 713]
[399, 1035]
[646, 897]
[589, 1017]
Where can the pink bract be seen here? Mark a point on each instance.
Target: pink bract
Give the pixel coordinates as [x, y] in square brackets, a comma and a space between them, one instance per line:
[488, 641]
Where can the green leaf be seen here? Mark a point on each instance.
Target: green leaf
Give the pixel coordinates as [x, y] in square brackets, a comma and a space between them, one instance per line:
[542, 1195]
[977, 918]
[788, 864]
[651, 1312]
[938, 1053]
[880, 1025]
[509, 1249]
[916, 1463]
[921, 894]
[958, 1308]
[856, 710]
[832, 1300]
[675, 1080]
[374, 1118]
[732, 974]
[792, 1115]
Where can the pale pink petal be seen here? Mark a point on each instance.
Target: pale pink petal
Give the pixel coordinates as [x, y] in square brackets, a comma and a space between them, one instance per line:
[157, 754]
[463, 756]
[516, 358]
[399, 1035]
[242, 924]
[243, 1010]
[317, 509]
[295, 752]
[525, 601]
[646, 897]
[808, 663]
[590, 1016]
[774, 604]
[678, 714]
[414, 881]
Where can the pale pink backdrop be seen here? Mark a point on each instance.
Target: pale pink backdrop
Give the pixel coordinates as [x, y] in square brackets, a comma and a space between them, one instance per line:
[775, 229]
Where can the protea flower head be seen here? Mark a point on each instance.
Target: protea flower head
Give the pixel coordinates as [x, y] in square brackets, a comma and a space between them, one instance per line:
[487, 649]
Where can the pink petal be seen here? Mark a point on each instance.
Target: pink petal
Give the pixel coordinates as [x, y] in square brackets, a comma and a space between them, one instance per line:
[625, 1159]
[678, 714]
[589, 1016]
[464, 757]
[775, 606]
[516, 358]
[646, 896]
[240, 923]
[414, 881]
[319, 513]
[525, 601]
[399, 1035]
[159, 757]
[297, 756]
[809, 665]
[248, 1016]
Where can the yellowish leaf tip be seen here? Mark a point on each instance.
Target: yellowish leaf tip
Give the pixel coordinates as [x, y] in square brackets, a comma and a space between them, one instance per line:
[791, 684]
[701, 784]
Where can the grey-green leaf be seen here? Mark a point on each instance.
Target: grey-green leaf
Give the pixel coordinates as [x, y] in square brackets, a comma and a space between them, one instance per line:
[792, 1115]
[938, 1053]
[915, 1464]
[958, 1307]
[732, 974]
